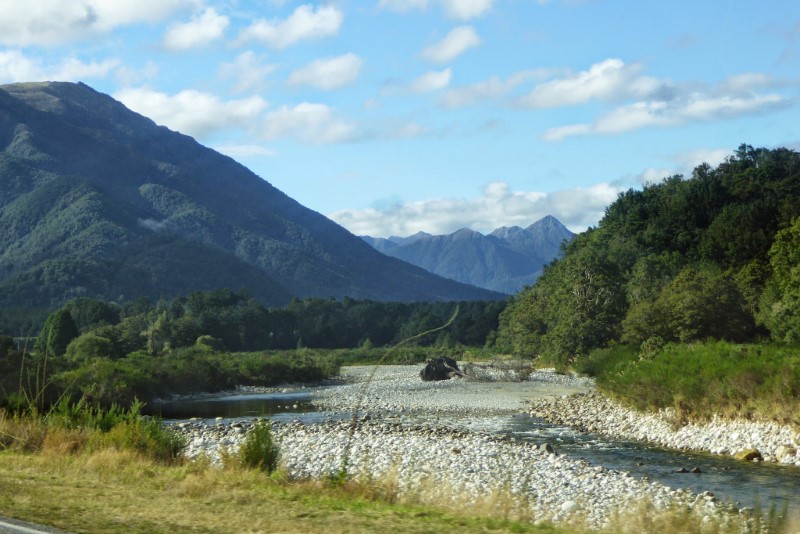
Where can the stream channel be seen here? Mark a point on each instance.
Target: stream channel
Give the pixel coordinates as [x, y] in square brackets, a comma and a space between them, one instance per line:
[750, 485]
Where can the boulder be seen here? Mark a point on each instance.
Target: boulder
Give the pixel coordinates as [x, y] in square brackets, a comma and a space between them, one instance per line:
[440, 369]
[786, 454]
[748, 455]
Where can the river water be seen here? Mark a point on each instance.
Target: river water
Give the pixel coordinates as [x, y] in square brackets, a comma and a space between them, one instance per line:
[743, 484]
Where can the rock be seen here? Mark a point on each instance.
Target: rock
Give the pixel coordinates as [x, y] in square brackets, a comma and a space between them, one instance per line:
[748, 455]
[785, 453]
[696, 470]
[440, 369]
[546, 447]
[569, 506]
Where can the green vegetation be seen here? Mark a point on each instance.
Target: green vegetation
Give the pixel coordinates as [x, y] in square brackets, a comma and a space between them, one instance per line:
[210, 341]
[711, 257]
[700, 380]
[259, 449]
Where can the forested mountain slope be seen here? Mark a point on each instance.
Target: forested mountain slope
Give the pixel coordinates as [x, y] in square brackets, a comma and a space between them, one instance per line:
[96, 200]
[714, 255]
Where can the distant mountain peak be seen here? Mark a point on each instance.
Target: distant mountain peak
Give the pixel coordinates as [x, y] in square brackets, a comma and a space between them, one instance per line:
[505, 260]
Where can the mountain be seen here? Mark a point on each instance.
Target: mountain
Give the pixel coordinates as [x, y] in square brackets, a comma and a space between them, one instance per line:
[505, 260]
[97, 200]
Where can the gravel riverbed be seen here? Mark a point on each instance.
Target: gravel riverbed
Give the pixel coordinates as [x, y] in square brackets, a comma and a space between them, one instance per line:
[435, 461]
[593, 412]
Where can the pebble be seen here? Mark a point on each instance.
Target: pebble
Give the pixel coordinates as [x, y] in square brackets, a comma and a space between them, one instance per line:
[595, 413]
[426, 459]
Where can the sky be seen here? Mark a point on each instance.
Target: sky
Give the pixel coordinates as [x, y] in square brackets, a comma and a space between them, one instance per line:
[397, 116]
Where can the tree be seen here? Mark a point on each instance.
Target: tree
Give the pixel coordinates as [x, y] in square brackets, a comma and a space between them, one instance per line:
[699, 303]
[58, 330]
[779, 308]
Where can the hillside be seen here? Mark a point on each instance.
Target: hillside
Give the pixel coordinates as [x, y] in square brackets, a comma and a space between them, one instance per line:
[96, 200]
[505, 260]
[711, 256]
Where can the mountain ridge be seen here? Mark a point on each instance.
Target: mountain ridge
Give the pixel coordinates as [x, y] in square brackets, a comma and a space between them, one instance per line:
[88, 184]
[505, 260]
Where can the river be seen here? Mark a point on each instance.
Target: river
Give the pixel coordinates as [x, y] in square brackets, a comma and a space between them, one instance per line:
[743, 484]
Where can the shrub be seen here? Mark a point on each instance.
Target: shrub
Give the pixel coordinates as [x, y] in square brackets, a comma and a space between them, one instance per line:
[259, 449]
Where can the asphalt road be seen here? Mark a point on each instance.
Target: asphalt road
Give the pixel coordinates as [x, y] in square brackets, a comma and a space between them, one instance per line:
[15, 526]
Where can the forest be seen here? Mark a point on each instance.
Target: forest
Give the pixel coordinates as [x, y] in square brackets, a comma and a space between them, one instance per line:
[106, 353]
[715, 255]
[686, 295]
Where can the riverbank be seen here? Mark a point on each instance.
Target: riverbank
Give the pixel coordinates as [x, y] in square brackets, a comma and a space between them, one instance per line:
[593, 412]
[416, 436]
[460, 469]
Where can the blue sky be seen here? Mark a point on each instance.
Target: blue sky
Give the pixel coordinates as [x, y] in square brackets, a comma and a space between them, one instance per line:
[394, 116]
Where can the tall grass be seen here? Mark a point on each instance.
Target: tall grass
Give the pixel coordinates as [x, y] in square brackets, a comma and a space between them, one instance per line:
[704, 379]
[72, 428]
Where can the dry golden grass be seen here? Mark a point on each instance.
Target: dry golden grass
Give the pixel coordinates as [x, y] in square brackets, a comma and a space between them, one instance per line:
[117, 491]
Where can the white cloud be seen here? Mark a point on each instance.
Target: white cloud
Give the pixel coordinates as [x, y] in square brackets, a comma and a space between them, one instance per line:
[432, 81]
[456, 9]
[200, 31]
[245, 151]
[129, 76]
[308, 123]
[329, 73]
[610, 79]
[458, 41]
[402, 6]
[692, 108]
[54, 22]
[466, 9]
[497, 206]
[713, 156]
[248, 70]
[494, 87]
[17, 67]
[305, 22]
[193, 112]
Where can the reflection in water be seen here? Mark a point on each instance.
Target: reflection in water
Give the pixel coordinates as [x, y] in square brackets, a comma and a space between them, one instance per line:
[236, 406]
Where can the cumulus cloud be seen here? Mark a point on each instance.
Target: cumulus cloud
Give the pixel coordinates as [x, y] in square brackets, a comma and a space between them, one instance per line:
[200, 31]
[611, 79]
[308, 123]
[456, 9]
[690, 108]
[192, 112]
[492, 88]
[306, 22]
[402, 6]
[329, 73]
[248, 70]
[432, 81]
[458, 41]
[497, 206]
[17, 67]
[466, 9]
[245, 151]
[54, 22]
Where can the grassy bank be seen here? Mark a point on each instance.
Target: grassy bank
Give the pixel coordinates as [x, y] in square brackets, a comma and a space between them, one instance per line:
[80, 475]
[703, 379]
[85, 470]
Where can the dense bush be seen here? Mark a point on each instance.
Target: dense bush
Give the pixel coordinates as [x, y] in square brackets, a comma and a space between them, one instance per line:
[259, 450]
